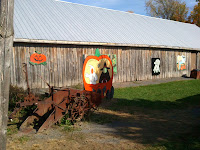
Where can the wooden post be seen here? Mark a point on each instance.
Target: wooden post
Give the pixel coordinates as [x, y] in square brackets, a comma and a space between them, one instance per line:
[198, 60]
[6, 45]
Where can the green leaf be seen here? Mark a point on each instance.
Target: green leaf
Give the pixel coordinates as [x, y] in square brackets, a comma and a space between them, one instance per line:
[38, 52]
[97, 53]
[44, 63]
[31, 63]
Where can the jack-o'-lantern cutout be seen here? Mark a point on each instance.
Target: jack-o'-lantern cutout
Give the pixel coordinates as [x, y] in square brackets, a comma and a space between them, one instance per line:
[98, 74]
[38, 59]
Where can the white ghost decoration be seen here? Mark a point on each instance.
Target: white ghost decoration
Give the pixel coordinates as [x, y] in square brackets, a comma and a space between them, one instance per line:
[92, 76]
[156, 68]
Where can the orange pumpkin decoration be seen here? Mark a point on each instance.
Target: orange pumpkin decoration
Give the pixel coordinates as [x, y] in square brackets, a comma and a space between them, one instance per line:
[183, 67]
[38, 59]
[98, 75]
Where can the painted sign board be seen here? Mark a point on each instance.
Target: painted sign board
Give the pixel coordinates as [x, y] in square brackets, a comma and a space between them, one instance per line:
[181, 62]
[155, 66]
[113, 58]
[38, 59]
[98, 74]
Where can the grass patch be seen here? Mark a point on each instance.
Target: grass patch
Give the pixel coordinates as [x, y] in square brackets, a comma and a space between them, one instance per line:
[177, 94]
[12, 130]
[70, 128]
[67, 125]
[23, 139]
[187, 141]
[67, 128]
[173, 95]
[101, 118]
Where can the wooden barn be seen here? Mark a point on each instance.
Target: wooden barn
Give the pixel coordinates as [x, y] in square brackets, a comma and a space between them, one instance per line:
[66, 33]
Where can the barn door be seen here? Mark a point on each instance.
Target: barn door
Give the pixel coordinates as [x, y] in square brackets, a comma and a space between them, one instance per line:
[193, 60]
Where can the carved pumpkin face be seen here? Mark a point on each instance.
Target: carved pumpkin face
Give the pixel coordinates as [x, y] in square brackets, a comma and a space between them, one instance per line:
[98, 74]
[38, 58]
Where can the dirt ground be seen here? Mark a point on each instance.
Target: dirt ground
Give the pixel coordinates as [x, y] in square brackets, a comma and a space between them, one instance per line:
[149, 82]
[108, 129]
[113, 130]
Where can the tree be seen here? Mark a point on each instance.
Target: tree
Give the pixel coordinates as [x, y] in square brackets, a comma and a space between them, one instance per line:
[6, 44]
[167, 9]
[130, 11]
[181, 12]
[195, 15]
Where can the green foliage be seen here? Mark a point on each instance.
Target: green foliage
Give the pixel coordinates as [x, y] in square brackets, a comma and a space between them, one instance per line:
[68, 125]
[27, 111]
[16, 94]
[23, 139]
[65, 121]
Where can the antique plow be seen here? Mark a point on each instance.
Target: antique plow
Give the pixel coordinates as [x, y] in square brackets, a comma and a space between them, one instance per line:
[74, 103]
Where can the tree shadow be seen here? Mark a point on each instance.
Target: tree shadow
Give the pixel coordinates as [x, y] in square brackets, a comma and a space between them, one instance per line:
[143, 121]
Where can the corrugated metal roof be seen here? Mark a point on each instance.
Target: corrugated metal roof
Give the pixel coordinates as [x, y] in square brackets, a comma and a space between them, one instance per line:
[63, 21]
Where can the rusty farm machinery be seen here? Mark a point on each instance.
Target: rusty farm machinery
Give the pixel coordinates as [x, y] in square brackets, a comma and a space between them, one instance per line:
[76, 104]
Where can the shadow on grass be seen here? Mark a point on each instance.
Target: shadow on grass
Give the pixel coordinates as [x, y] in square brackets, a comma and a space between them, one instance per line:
[118, 104]
[170, 125]
[184, 141]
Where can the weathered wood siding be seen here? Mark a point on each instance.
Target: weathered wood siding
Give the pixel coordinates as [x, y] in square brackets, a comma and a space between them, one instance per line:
[64, 64]
[198, 60]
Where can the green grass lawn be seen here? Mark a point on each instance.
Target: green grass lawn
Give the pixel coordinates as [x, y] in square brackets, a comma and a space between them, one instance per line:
[162, 96]
[179, 95]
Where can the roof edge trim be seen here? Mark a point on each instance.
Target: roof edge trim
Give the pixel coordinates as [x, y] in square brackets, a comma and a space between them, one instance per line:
[101, 44]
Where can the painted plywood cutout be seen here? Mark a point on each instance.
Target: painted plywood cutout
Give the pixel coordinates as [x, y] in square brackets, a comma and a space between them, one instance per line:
[38, 59]
[181, 62]
[155, 66]
[98, 74]
[113, 58]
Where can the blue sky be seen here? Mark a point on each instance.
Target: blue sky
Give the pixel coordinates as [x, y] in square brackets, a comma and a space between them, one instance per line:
[138, 6]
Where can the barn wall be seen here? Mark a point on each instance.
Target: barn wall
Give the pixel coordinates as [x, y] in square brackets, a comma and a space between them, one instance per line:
[198, 60]
[64, 64]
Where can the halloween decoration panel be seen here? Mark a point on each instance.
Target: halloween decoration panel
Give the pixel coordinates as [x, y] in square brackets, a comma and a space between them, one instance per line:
[113, 58]
[37, 59]
[181, 62]
[98, 75]
[155, 66]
